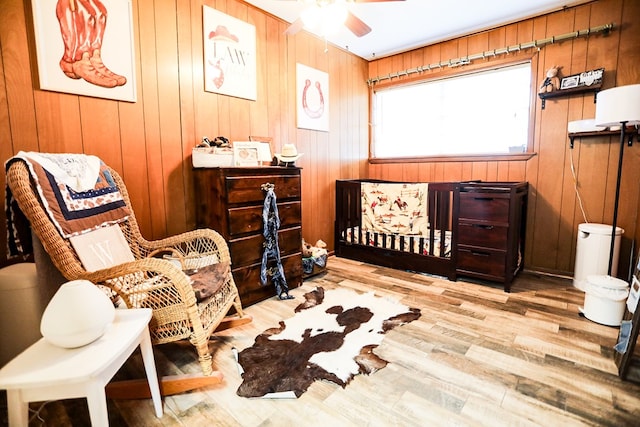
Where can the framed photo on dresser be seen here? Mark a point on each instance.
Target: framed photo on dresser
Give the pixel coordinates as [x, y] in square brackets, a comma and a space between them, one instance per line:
[246, 153]
[265, 149]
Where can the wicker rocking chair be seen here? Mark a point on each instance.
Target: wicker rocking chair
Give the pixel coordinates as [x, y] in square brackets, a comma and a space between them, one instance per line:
[148, 281]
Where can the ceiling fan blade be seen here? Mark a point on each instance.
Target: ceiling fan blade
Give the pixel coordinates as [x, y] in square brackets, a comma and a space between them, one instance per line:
[356, 25]
[295, 26]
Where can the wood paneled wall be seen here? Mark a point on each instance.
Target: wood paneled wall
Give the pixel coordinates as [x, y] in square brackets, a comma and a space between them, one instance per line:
[553, 212]
[149, 142]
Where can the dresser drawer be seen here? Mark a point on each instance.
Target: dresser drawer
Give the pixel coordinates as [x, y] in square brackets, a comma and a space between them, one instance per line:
[248, 250]
[250, 288]
[245, 189]
[481, 260]
[483, 235]
[489, 207]
[249, 219]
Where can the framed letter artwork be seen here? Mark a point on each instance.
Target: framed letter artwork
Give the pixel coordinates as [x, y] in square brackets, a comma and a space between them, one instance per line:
[312, 103]
[229, 55]
[86, 47]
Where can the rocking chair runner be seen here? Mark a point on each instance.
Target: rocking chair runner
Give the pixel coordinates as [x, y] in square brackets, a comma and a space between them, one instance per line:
[147, 281]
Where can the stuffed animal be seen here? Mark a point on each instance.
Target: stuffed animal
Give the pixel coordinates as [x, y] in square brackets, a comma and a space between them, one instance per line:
[307, 249]
[320, 249]
[552, 80]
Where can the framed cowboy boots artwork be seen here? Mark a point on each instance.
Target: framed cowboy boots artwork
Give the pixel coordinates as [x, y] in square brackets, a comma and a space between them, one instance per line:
[86, 47]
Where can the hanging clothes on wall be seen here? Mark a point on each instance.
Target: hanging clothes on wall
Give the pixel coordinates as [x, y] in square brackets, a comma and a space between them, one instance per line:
[271, 262]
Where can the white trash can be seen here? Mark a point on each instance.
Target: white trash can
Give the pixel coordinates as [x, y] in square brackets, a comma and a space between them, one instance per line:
[592, 252]
[605, 299]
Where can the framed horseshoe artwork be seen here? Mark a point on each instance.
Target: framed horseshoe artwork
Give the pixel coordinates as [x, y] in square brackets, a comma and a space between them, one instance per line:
[312, 98]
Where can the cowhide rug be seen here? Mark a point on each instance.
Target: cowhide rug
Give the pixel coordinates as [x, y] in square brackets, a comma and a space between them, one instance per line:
[331, 337]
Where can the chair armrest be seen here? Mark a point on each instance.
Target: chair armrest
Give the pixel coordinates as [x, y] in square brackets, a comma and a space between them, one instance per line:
[137, 281]
[194, 244]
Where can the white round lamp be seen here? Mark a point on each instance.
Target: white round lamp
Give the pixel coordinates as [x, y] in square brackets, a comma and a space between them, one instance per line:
[78, 314]
[618, 106]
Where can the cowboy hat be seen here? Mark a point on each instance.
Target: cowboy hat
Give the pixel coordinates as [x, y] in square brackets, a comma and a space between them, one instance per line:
[289, 154]
[222, 33]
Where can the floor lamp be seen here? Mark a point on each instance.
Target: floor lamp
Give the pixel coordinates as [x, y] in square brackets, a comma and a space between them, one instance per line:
[618, 106]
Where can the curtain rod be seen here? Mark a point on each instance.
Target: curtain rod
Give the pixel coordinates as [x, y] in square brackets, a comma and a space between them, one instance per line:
[492, 53]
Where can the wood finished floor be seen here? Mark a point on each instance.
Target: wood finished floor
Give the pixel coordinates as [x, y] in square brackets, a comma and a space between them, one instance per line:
[476, 357]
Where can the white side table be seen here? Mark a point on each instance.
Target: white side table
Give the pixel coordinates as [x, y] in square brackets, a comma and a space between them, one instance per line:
[47, 372]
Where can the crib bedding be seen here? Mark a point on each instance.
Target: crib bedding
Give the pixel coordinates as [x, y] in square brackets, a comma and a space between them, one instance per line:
[395, 208]
[394, 216]
[412, 243]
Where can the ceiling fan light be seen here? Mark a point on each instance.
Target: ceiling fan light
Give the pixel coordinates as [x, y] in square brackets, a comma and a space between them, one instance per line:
[336, 13]
[311, 17]
[325, 17]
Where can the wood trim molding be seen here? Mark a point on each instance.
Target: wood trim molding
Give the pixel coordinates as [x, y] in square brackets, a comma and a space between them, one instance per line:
[466, 158]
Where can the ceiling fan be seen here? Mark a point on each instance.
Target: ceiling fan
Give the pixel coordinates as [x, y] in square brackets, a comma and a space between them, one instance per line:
[323, 14]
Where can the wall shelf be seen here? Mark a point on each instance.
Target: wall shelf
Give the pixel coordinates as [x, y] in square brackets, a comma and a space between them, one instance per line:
[629, 132]
[571, 91]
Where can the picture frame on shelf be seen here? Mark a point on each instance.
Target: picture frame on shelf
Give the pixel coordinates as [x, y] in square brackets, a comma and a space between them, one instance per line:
[583, 80]
[569, 82]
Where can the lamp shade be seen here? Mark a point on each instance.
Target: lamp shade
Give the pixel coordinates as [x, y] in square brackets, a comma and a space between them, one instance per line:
[77, 315]
[617, 105]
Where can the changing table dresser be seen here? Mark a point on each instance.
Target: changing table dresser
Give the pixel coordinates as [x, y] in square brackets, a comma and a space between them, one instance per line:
[491, 230]
[230, 200]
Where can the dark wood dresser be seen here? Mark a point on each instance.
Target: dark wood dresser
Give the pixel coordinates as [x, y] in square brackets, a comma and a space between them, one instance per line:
[491, 230]
[230, 201]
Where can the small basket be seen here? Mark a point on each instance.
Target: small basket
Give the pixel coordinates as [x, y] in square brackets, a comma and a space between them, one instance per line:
[210, 157]
[312, 266]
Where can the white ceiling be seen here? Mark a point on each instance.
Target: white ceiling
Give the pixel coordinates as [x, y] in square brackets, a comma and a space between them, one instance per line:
[398, 26]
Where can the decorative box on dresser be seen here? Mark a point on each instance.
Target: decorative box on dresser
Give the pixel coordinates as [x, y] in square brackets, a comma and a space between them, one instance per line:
[491, 230]
[230, 200]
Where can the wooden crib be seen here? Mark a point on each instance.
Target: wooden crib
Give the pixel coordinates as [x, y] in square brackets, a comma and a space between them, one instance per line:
[433, 250]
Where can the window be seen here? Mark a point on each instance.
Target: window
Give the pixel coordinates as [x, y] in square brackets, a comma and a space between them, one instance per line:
[482, 113]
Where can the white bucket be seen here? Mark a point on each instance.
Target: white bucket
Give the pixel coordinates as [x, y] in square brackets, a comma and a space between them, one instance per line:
[604, 299]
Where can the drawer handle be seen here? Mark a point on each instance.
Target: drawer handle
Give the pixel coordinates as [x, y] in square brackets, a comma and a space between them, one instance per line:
[484, 199]
[476, 253]
[483, 226]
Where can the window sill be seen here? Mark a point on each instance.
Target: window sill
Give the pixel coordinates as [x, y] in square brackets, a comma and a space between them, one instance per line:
[511, 157]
